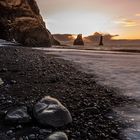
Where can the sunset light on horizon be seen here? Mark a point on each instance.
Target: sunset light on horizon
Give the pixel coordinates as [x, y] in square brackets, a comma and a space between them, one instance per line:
[120, 17]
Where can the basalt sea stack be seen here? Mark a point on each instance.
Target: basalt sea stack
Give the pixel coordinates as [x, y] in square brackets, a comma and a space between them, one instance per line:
[20, 20]
[79, 40]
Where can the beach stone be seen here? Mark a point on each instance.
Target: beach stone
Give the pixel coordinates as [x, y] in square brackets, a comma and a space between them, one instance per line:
[4, 70]
[45, 132]
[49, 111]
[10, 132]
[32, 136]
[1, 82]
[18, 115]
[79, 40]
[57, 136]
[4, 137]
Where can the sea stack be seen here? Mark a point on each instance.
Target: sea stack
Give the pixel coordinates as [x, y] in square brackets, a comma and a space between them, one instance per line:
[101, 41]
[79, 40]
[20, 20]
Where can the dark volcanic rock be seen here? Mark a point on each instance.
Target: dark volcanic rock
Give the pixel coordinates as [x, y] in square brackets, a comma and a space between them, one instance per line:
[18, 115]
[79, 40]
[4, 137]
[21, 20]
[50, 111]
[58, 136]
[1, 82]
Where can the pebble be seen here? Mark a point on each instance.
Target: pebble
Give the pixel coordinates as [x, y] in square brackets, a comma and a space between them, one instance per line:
[57, 136]
[19, 127]
[18, 115]
[10, 132]
[1, 82]
[4, 70]
[113, 131]
[41, 137]
[13, 82]
[32, 137]
[45, 132]
[20, 138]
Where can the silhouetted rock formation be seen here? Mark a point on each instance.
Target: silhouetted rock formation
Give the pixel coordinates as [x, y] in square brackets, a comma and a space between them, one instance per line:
[21, 20]
[101, 41]
[79, 40]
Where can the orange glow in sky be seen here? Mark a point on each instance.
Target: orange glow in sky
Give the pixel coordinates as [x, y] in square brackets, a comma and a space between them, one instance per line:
[120, 17]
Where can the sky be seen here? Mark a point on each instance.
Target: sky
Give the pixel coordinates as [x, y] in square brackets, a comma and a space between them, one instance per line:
[121, 17]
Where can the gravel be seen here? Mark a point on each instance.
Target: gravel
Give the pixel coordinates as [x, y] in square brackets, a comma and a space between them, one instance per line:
[29, 75]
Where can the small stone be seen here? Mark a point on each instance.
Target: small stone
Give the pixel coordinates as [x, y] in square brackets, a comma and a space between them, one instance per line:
[19, 127]
[1, 82]
[45, 132]
[20, 138]
[77, 134]
[35, 128]
[57, 136]
[4, 70]
[32, 137]
[3, 112]
[114, 132]
[13, 82]
[25, 138]
[41, 137]
[18, 115]
[9, 101]
[10, 132]
[4, 137]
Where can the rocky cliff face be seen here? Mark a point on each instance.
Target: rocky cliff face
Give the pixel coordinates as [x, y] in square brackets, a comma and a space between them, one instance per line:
[21, 20]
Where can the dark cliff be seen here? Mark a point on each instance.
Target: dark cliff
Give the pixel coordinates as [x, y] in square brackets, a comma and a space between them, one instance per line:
[20, 20]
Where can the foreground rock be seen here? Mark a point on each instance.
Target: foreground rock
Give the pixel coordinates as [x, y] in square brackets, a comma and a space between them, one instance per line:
[79, 40]
[50, 111]
[18, 115]
[20, 20]
[58, 136]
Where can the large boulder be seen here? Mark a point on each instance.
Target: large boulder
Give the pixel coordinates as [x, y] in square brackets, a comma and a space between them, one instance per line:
[50, 112]
[21, 20]
[57, 136]
[18, 115]
[79, 40]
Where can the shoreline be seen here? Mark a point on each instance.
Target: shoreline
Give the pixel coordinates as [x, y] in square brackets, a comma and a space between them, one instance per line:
[107, 48]
[37, 74]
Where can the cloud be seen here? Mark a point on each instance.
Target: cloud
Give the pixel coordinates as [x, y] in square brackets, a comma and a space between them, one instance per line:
[96, 36]
[127, 22]
[137, 15]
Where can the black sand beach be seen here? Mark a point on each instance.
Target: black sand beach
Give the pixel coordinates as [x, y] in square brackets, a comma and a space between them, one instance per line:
[29, 75]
